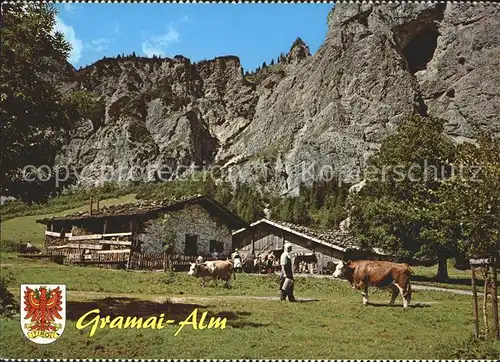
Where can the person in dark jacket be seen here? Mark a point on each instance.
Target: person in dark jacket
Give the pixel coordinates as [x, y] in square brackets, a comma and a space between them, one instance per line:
[286, 276]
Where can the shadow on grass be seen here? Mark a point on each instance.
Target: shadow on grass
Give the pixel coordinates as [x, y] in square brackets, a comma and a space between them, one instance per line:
[132, 307]
[298, 300]
[452, 281]
[387, 305]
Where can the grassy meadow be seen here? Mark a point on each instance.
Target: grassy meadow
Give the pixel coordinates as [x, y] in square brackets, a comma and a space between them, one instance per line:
[331, 324]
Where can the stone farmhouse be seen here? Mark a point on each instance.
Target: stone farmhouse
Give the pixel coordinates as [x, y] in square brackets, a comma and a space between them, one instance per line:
[200, 225]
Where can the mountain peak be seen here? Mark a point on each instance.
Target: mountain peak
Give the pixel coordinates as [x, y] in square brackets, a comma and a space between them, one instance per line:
[298, 52]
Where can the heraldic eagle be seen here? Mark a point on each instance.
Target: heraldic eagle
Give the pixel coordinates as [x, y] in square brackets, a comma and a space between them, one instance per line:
[43, 307]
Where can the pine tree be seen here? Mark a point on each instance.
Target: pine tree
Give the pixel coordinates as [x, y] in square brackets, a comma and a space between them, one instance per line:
[272, 62]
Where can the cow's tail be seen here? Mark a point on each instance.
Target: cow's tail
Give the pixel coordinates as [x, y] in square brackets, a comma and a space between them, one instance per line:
[408, 293]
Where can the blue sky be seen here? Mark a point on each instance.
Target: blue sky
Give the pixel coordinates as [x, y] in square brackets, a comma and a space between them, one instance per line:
[253, 32]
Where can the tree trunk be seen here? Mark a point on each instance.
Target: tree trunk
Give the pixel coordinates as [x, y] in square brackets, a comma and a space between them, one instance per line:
[442, 273]
[485, 302]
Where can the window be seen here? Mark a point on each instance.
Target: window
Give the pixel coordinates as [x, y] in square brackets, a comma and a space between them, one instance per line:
[217, 246]
[213, 245]
[191, 245]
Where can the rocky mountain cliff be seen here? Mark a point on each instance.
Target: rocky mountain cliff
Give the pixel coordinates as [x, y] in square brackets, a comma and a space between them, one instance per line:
[308, 114]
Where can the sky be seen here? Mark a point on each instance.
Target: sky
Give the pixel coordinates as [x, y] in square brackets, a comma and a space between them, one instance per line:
[253, 32]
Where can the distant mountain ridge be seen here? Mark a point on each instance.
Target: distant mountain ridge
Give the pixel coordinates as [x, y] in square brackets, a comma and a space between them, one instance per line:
[378, 65]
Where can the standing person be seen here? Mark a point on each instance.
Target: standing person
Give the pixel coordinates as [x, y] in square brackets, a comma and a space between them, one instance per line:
[215, 255]
[249, 263]
[237, 261]
[286, 276]
[256, 265]
[270, 263]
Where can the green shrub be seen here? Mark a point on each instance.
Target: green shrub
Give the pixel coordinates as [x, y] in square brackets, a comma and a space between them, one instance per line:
[10, 246]
[8, 304]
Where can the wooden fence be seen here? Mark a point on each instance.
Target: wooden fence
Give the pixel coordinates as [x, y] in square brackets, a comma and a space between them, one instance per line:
[157, 261]
[123, 258]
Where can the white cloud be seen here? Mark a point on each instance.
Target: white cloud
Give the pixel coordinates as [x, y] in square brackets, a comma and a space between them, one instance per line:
[100, 41]
[98, 45]
[156, 45]
[70, 8]
[117, 28]
[150, 50]
[70, 36]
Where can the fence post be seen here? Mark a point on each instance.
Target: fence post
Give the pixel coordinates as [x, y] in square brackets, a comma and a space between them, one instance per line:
[129, 259]
[474, 294]
[494, 298]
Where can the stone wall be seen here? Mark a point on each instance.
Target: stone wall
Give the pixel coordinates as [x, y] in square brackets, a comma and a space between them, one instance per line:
[195, 220]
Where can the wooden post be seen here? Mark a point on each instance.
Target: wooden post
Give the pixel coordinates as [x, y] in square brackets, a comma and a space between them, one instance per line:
[494, 299]
[253, 242]
[474, 294]
[129, 258]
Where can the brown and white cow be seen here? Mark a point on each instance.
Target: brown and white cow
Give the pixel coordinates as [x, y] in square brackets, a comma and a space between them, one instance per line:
[213, 270]
[381, 274]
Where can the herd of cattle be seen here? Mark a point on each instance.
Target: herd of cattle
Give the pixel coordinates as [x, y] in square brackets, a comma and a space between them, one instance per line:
[361, 274]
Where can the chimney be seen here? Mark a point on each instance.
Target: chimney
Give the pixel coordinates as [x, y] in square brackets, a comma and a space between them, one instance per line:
[90, 212]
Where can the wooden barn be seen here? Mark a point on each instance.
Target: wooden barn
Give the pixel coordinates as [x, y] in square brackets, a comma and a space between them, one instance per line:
[316, 248]
[116, 233]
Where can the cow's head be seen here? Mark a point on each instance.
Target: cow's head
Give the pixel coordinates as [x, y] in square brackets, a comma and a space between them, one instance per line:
[343, 270]
[194, 269]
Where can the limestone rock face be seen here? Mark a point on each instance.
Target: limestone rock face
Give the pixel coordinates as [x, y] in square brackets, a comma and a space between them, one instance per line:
[306, 117]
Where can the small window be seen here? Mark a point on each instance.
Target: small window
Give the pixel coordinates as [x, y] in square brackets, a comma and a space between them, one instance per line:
[191, 245]
[217, 246]
[213, 245]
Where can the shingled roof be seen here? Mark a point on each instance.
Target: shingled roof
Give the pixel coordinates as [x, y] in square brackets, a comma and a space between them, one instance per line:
[333, 238]
[145, 207]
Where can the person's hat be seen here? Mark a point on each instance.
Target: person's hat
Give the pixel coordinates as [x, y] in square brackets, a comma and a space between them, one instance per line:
[236, 249]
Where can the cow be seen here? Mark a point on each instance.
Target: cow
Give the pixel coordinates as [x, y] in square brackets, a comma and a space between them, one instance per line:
[213, 270]
[381, 274]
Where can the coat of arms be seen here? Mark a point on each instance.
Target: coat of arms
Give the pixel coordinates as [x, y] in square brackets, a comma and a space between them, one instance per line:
[43, 312]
